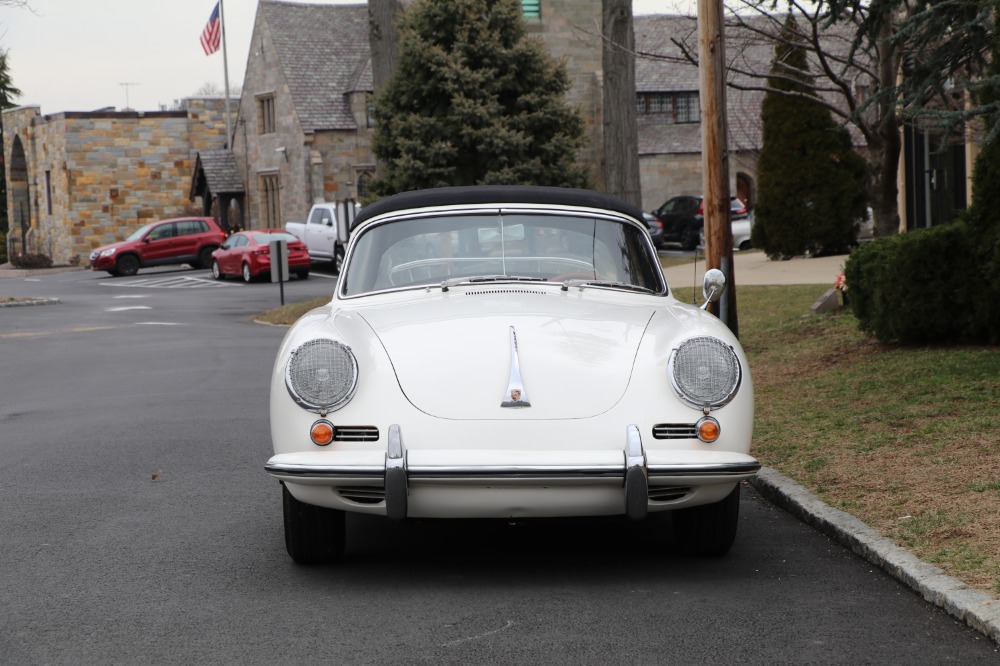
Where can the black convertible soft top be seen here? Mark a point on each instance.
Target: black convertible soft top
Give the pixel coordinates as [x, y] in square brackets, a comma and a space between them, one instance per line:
[496, 194]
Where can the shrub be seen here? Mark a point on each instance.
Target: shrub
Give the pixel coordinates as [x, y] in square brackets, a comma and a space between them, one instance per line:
[3, 248]
[917, 287]
[31, 260]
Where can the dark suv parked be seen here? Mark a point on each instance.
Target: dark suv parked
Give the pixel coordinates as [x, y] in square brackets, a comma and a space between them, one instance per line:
[684, 216]
[186, 240]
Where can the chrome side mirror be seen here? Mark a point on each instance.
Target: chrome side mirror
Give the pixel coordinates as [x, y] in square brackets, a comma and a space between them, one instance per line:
[713, 286]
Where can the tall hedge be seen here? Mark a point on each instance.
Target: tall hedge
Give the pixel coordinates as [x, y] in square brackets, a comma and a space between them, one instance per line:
[811, 182]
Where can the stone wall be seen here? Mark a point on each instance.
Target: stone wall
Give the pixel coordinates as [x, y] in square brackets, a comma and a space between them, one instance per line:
[569, 31]
[667, 175]
[94, 177]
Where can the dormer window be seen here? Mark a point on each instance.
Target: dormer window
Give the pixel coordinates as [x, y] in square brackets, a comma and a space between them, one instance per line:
[673, 107]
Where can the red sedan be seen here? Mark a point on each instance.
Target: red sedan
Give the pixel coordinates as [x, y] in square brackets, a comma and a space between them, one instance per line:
[248, 254]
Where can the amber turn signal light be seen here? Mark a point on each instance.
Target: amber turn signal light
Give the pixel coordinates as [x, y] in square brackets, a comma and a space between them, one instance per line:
[321, 433]
[708, 429]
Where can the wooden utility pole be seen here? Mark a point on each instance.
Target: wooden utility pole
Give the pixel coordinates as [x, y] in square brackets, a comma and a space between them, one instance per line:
[715, 154]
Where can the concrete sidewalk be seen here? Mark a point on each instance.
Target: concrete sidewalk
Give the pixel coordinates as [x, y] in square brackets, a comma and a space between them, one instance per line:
[754, 268]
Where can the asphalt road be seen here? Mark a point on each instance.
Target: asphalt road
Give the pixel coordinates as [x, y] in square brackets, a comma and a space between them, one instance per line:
[138, 526]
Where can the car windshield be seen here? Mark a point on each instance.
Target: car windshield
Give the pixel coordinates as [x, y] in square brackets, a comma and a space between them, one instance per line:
[140, 232]
[266, 239]
[558, 248]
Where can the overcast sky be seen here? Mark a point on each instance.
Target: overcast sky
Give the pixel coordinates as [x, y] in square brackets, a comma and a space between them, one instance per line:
[78, 55]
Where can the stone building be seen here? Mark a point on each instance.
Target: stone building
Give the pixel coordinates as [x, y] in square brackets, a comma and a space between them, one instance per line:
[78, 180]
[304, 130]
[302, 134]
[669, 114]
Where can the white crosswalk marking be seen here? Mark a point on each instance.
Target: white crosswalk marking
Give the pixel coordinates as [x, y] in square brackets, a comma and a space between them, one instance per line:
[172, 282]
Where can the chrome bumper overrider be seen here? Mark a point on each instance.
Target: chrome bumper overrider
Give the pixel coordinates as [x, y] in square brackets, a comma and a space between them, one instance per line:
[635, 472]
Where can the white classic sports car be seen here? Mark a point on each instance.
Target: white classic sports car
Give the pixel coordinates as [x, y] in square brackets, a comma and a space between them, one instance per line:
[508, 352]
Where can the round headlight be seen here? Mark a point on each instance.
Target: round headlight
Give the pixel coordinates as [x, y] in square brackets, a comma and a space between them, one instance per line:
[705, 372]
[321, 375]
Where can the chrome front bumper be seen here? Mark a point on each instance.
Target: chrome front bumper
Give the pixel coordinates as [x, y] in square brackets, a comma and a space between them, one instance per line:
[632, 468]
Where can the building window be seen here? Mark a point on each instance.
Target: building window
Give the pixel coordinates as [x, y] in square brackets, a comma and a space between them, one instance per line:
[687, 108]
[265, 114]
[364, 184]
[270, 201]
[531, 9]
[370, 110]
[682, 107]
[48, 192]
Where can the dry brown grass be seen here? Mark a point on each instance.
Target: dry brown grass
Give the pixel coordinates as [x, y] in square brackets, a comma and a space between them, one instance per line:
[906, 439]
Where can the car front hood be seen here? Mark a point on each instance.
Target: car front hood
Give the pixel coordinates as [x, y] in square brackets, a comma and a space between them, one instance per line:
[113, 246]
[452, 355]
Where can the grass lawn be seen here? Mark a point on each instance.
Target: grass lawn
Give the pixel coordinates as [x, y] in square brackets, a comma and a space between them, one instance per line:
[905, 438]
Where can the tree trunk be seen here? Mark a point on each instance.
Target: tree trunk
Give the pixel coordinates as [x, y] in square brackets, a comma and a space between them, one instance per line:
[885, 189]
[383, 38]
[621, 133]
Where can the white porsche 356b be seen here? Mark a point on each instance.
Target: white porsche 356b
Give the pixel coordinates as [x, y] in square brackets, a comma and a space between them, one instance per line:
[508, 352]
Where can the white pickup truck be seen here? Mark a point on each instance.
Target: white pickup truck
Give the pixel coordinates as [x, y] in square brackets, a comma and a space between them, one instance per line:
[325, 232]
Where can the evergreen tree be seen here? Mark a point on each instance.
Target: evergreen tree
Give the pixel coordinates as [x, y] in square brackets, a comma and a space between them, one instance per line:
[7, 94]
[984, 214]
[474, 101]
[811, 181]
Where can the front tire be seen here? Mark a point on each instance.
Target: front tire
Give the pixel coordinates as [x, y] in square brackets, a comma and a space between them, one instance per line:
[313, 534]
[127, 264]
[216, 271]
[710, 529]
[302, 275]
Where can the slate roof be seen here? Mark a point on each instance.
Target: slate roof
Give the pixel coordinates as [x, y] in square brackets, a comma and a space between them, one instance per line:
[663, 67]
[324, 54]
[220, 171]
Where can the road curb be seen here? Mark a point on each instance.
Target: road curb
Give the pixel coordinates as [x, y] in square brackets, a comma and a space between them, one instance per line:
[32, 301]
[977, 609]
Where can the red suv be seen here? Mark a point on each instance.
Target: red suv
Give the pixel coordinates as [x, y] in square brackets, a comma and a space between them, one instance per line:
[184, 240]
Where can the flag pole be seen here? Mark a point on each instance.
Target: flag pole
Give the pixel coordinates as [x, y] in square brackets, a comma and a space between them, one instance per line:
[225, 74]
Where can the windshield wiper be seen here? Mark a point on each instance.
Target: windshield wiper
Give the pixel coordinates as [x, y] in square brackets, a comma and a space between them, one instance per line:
[605, 283]
[451, 282]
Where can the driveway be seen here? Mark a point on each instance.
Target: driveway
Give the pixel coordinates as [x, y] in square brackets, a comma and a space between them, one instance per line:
[139, 526]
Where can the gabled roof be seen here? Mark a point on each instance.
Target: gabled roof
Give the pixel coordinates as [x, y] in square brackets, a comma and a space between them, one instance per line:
[217, 169]
[324, 54]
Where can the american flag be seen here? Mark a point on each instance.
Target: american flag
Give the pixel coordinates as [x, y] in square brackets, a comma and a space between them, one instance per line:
[211, 36]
